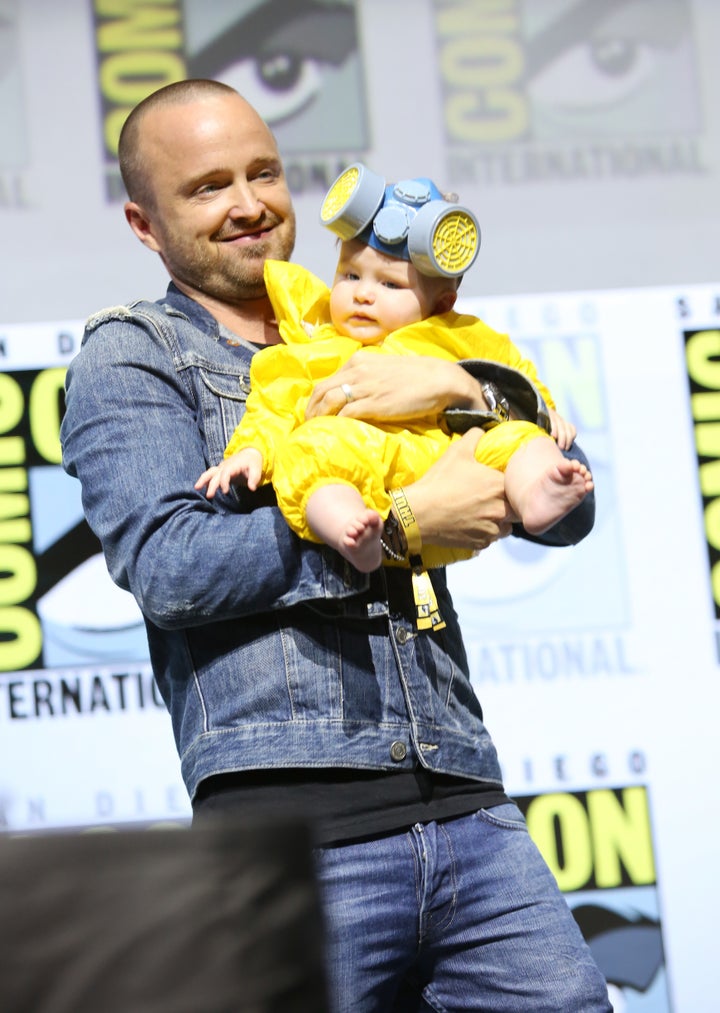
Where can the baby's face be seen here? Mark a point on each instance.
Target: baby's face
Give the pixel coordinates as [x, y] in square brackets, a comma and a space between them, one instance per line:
[374, 294]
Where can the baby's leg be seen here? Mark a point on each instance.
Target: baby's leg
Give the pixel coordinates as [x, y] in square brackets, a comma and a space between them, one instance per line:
[338, 516]
[542, 485]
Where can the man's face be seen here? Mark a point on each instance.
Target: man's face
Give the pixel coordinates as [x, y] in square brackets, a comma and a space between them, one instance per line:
[220, 204]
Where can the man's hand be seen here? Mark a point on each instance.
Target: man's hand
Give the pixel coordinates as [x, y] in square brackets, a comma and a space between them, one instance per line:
[386, 387]
[459, 502]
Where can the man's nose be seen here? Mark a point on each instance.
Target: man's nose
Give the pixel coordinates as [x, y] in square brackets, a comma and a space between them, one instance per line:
[245, 203]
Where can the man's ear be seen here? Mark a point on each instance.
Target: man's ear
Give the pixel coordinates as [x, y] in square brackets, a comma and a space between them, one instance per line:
[445, 301]
[141, 225]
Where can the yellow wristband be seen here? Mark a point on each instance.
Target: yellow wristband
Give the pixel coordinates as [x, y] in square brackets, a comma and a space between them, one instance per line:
[408, 522]
[426, 607]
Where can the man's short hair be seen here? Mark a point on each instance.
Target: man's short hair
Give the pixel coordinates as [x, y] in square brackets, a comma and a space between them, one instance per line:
[130, 150]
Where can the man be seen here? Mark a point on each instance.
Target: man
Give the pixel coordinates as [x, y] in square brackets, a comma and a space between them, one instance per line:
[294, 682]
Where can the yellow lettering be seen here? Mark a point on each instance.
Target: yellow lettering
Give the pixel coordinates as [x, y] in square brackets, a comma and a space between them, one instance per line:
[18, 574]
[17, 530]
[128, 77]
[707, 439]
[20, 631]
[45, 409]
[121, 8]
[705, 406]
[113, 125]
[710, 478]
[143, 26]
[13, 480]
[481, 63]
[620, 831]
[570, 369]
[141, 49]
[20, 638]
[600, 838]
[559, 826]
[12, 450]
[701, 349]
[14, 507]
[712, 524]
[477, 16]
[12, 403]
[497, 116]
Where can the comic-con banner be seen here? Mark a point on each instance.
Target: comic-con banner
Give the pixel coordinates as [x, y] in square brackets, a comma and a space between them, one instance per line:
[530, 91]
[71, 642]
[601, 355]
[32, 556]
[551, 91]
[702, 352]
[599, 845]
[525, 621]
[569, 649]
[57, 604]
[75, 681]
[536, 620]
[297, 63]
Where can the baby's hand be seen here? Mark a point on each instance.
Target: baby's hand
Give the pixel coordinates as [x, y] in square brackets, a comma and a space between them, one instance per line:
[245, 466]
[563, 431]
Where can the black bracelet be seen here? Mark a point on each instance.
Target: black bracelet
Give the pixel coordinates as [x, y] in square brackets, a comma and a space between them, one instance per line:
[393, 541]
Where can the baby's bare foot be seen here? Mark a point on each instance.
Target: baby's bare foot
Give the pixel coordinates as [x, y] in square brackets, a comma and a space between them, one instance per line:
[360, 544]
[555, 493]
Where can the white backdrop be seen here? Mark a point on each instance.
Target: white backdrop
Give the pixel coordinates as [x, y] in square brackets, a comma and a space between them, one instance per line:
[586, 138]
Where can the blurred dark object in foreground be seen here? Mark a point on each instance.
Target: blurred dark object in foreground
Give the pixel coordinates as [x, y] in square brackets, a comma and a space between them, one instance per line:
[218, 919]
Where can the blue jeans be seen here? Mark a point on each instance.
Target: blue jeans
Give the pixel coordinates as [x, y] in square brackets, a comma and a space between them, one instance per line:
[458, 915]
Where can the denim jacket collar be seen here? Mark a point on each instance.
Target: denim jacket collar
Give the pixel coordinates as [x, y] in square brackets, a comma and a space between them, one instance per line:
[197, 315]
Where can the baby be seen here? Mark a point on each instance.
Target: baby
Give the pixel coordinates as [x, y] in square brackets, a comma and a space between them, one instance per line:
[337, 478]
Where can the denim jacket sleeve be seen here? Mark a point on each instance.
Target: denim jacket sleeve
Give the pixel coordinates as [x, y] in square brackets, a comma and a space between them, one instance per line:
[136, 433]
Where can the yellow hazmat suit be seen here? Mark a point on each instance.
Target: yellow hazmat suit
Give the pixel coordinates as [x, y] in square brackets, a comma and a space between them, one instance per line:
[299, 455]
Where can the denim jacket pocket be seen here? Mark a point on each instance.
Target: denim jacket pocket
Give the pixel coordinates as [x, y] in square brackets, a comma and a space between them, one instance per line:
[222, 397]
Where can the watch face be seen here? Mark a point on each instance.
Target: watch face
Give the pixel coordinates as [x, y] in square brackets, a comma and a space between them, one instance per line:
[496, 400]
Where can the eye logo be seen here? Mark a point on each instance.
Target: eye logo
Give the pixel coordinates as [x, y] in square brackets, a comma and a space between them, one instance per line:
[296, 63]
[520, 79]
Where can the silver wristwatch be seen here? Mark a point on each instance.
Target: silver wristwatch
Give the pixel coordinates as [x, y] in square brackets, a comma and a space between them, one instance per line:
[496, 400]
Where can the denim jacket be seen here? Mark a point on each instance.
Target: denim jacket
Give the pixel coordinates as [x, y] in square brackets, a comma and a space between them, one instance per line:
[268, 651]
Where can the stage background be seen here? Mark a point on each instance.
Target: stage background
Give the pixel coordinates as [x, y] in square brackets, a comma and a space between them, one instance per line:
[587, 138]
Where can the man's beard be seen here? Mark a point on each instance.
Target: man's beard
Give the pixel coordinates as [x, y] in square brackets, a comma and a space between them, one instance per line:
[236, 279]
[236, 276]
[242, 268]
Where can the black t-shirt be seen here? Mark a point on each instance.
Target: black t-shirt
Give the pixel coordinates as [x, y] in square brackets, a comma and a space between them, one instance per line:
[344, 805]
